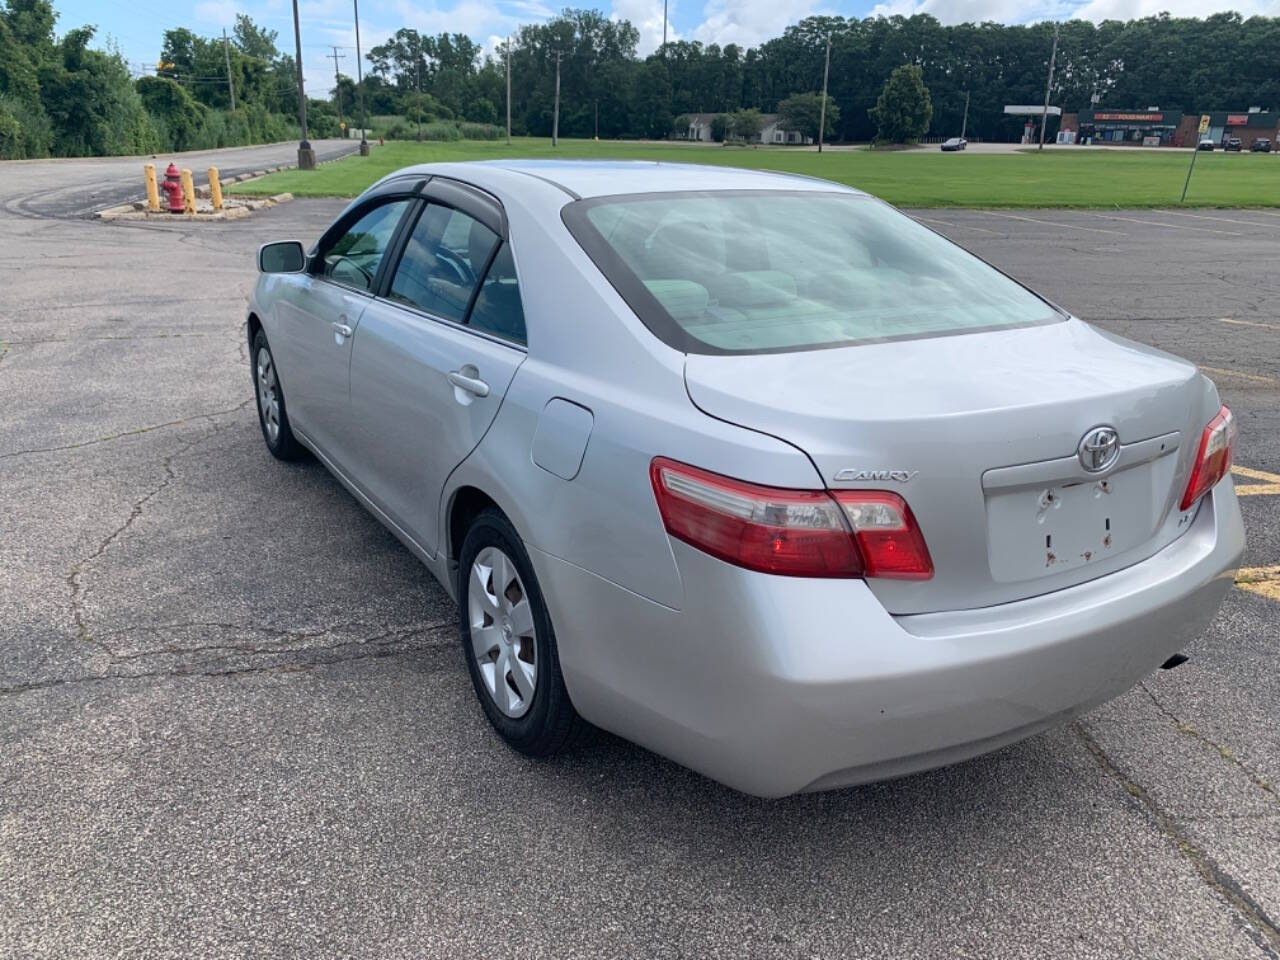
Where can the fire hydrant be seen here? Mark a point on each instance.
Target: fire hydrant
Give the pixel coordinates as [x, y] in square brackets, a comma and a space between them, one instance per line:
[172, 186]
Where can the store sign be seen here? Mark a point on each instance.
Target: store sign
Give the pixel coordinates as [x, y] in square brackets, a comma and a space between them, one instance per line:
[1130, 117]
[1237, 119]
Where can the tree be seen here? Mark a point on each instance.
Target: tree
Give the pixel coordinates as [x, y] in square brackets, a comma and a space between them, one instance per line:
[903, 112]
[746, 124]
[802, 112]
[720, 127]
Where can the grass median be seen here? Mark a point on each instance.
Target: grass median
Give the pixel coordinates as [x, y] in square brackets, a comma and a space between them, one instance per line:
[1088, 178]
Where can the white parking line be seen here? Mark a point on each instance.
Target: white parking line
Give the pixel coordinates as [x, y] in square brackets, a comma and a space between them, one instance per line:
[960, 226]
[1249, 323]
[1201, 216]
[1054, 223]
[1251, 377]
[1170, 226]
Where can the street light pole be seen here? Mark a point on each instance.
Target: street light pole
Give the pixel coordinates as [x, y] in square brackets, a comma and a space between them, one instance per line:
[964, 124]
[364, 119]
[1044, 115]
[822, 112]
[306, 156]
[555, 117]
[508, 89]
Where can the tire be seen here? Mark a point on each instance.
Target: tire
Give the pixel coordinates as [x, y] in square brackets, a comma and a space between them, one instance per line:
[273, 417]
[511, 649]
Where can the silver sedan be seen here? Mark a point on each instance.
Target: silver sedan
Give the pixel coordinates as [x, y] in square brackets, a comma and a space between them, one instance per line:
[750, 469]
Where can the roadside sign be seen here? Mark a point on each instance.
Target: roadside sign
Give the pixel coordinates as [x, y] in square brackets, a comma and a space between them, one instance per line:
[1204, 124]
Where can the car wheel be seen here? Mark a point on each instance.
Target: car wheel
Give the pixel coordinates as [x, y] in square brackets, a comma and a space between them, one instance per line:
[273, 417]
[509, 643]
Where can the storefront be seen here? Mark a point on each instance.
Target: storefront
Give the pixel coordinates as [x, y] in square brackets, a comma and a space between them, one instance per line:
[1142, 128]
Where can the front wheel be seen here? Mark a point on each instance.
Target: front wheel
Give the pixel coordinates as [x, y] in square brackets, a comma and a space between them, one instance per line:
[273, 417]
[509, 643]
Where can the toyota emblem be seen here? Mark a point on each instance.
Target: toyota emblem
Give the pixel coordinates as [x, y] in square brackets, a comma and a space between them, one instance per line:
[1099, 449]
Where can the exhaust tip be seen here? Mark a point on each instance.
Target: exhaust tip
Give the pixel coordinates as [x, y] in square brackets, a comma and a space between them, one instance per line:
[1177, 660]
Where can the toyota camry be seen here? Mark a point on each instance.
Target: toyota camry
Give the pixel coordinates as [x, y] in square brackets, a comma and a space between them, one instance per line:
[750, 469]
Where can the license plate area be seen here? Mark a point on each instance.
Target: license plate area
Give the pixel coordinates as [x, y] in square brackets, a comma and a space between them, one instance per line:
[1046, 529]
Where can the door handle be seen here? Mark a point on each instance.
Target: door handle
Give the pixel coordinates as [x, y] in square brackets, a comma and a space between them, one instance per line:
[473, 385]
[341, 329]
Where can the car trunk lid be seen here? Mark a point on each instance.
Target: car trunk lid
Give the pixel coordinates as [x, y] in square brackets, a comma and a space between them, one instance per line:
[980, 434]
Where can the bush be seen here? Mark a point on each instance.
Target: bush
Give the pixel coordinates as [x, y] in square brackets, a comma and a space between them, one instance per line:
[441, 130]
[25, 129]
[481, 131]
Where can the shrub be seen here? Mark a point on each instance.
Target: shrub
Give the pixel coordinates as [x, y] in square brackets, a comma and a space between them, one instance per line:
[481, 131]
[441, 130]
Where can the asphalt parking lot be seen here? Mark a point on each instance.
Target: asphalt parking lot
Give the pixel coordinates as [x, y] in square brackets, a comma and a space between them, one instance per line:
[234, 720]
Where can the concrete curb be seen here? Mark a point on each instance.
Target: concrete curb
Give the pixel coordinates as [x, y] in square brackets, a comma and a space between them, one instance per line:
[234, 208]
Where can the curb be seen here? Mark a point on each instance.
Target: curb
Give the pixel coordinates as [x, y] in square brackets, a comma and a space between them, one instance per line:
[235, 208]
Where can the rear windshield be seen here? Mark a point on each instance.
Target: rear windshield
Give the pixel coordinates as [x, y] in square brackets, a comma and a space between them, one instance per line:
[762, 272]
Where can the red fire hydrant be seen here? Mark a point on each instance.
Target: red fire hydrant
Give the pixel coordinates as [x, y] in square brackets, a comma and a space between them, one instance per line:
[173, 187]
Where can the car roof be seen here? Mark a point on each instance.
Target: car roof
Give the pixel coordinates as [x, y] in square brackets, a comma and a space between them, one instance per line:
[598, 178]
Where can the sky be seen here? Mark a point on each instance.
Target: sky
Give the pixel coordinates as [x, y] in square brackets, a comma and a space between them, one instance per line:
[136, 26]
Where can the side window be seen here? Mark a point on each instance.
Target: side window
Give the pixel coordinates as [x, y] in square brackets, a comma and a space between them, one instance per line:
[442, 262]
[498, 309]
[354, 257]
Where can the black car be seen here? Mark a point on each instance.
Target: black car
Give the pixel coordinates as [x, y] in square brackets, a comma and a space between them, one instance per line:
[1232, 145]
[1261, 145]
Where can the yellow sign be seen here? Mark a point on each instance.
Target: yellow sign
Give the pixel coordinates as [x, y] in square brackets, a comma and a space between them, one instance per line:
[342, 125]
[1204, 123]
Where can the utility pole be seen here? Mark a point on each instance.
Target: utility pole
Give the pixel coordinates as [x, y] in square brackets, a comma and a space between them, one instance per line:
[226, 52]
[508, 89]
[964, 124]
[822, 113]
[664, 29]
[597, 134]
[1053, 57]
[306, 156]
[555, 117]
[417, 69]
[337, 80]
[364, 120]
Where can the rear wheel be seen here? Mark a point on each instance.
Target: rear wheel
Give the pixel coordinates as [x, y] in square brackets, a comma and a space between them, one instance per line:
[509, 643]
[273, 417]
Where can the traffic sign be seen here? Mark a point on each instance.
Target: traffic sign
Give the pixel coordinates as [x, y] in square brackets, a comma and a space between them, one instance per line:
[1204, 123]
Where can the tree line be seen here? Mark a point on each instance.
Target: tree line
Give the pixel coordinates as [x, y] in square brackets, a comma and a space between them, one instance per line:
[62, 96]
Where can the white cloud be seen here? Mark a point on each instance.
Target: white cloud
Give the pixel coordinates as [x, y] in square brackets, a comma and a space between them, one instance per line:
[749, 23]
[646, 16]
[1099, 10]
[1020, 11]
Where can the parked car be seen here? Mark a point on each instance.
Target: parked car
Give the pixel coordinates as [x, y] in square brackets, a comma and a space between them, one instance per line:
[954, 143]
[750, 469]
[1261, 145]
[1232, 145]
[1205, 144]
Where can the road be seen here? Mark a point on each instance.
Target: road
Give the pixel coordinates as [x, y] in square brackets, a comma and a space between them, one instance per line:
[235, 721]
[78, 187]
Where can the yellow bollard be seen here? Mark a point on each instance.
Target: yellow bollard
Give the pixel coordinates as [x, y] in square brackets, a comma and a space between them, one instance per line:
[153, 192]
[188, 193]
[215, 189]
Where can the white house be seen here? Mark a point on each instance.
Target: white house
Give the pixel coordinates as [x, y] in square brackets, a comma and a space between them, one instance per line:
[770, 131]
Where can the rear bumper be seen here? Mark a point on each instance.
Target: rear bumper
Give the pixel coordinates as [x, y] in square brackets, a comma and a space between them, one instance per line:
[774, 685]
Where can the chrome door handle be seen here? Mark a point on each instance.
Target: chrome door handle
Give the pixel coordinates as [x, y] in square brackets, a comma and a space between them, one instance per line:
[341, 329]
[473, 385]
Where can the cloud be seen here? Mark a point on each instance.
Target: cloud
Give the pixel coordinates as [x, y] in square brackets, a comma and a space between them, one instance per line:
[749, 23]
[646, 16]
[1020, 11]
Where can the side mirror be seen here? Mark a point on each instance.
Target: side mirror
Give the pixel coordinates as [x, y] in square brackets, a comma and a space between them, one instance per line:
[286, 256]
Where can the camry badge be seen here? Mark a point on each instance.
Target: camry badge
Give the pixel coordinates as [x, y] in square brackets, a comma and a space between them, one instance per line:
[1099, 449]
[899, 476]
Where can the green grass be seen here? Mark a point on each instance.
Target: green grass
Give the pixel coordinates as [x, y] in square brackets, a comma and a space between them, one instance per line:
[1118, 177]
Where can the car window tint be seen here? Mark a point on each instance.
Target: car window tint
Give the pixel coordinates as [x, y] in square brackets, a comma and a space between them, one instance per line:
[498, 309]
[446, 252]
[747, 272]
[354, 257]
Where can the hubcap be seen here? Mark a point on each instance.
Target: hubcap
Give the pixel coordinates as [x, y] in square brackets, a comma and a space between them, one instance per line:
[268, 395]
[503, 640]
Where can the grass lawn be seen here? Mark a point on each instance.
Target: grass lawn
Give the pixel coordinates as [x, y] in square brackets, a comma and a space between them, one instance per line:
[1119, 177]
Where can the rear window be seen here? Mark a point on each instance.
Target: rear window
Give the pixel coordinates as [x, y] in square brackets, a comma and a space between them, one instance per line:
[761, 272]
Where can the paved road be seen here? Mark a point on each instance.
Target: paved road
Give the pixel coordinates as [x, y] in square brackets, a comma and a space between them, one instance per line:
[76, 188]
[235, 721]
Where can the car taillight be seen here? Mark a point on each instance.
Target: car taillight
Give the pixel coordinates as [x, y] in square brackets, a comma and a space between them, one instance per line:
[1213, 459]
[797, 533]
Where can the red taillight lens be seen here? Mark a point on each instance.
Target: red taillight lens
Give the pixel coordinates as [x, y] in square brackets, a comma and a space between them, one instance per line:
[798, 533]
[1213, 459]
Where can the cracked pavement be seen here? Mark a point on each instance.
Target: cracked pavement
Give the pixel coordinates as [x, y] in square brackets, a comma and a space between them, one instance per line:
[235, 722]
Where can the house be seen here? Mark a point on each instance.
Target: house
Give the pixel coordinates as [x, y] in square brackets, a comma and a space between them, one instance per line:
[770, 130]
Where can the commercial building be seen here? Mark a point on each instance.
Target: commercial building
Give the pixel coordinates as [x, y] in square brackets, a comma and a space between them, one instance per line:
[1164, 128]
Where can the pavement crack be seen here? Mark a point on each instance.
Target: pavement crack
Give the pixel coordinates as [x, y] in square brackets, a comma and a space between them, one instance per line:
[75, 576]
[127, 433]
[1262, 928]
[1226, 753]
